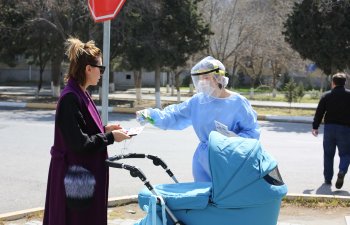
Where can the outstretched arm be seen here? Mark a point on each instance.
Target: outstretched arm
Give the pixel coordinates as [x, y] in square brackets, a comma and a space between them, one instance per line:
[174, 117]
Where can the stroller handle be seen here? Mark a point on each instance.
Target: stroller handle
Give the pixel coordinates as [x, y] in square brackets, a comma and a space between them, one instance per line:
[136, 172]
[156, 161]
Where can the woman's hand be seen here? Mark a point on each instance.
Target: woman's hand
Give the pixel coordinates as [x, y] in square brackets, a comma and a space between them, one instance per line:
[120, 135]
[112, 127]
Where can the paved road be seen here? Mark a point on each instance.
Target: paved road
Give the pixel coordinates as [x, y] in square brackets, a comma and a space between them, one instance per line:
[26, 137]
[26, 140]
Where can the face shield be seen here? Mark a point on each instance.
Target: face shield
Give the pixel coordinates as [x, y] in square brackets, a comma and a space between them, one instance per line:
[209, 79]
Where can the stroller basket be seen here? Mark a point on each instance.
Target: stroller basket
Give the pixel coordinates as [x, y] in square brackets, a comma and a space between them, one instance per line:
[137, 172]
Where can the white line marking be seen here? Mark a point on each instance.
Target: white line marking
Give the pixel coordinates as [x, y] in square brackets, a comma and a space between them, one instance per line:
[347, 219]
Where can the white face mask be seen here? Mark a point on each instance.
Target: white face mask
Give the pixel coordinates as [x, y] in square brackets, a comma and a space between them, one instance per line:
[204, 86]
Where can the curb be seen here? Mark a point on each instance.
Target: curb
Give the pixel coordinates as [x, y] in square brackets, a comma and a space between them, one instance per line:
[254, 104]
[124, 200]
[28, 105]
[321, 198]
[291, 119]
[16, 215]
[20, 214]
[53, 107]
[13, 104]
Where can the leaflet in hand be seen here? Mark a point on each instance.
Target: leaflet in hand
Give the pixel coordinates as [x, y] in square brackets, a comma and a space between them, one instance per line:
[222, 129]
[135, 131]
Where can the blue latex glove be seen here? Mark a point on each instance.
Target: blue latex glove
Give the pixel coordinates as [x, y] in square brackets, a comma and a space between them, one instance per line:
[143, 117]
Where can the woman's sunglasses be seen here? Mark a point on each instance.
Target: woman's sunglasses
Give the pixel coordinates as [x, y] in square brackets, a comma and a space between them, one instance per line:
[102, 68]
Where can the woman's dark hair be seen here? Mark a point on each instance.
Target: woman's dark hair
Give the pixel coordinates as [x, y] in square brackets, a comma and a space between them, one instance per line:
[80, 55]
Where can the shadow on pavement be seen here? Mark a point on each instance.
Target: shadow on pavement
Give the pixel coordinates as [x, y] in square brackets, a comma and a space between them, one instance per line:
[326, 189]
[49, 115]
[31, 115]
[289, 127]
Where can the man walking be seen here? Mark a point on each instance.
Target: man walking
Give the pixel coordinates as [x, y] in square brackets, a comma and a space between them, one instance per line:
[334, 105]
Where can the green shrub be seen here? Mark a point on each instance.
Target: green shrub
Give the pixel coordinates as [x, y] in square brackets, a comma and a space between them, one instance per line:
[314, 94]
[300, 91]
[186, 81]
[263, 88]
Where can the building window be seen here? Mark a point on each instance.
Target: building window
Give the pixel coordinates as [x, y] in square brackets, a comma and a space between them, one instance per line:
[128, 76]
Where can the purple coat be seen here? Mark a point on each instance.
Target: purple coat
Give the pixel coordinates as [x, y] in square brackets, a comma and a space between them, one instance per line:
[62, 156]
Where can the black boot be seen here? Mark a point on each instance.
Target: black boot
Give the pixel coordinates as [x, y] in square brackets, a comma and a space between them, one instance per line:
[340, 180]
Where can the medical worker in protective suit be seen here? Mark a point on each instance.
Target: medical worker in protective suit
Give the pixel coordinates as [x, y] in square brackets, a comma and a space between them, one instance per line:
[212, 104]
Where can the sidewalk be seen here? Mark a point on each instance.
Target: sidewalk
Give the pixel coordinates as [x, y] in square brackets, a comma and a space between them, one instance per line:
[21, 93]
[125, 211]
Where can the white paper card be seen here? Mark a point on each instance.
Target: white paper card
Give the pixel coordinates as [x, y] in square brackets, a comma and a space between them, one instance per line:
[135, 130]
[222, 129]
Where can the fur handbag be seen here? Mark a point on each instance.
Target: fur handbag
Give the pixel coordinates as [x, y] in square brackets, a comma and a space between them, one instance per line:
[79, 184]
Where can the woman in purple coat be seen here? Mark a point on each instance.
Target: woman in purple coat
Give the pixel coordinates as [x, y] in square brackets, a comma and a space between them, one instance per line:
[77, 188]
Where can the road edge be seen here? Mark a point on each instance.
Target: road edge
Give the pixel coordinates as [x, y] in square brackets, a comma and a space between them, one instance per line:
[16, 215]
[51, 106]
[124, 200]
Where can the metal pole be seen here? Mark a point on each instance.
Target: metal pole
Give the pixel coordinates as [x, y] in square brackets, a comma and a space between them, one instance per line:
[105, 77]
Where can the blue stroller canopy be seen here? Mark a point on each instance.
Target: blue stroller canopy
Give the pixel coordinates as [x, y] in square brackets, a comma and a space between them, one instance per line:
[246, 189]
[238, 166]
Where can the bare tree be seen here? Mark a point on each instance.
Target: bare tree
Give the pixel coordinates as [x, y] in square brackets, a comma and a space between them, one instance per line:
[249, 32]
[252, 60]
[267, 18]
[230, 30]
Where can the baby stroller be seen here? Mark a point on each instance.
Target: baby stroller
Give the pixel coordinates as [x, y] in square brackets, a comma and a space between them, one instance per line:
[246, 188]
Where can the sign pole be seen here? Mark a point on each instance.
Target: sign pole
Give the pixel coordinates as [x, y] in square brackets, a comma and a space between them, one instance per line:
[105, 77]
[104, 11]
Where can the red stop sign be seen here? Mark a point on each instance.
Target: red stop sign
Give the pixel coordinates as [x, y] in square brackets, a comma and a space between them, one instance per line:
[102, 10]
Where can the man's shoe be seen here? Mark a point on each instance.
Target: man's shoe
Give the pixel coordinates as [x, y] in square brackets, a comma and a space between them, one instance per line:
[328, 182]
[340, 180]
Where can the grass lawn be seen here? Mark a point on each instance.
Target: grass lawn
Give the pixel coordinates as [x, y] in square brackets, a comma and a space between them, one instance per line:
[283, 111]
[263, 95]
[279, 98]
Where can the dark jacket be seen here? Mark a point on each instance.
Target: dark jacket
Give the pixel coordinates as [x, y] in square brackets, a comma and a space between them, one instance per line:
[334, 105]
[79, 140]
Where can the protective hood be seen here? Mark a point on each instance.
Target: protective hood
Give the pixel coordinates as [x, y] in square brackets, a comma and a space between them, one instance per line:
[208, 77]
[238, 166]
[208, 65]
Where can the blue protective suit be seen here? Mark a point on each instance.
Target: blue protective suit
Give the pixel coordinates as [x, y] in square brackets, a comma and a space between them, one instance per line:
[234, 111]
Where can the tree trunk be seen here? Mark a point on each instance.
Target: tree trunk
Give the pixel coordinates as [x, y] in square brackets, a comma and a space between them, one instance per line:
[172, 83]
[177, 82]
[138, 85]
[276, 69]
[234, 73]
[157, 86]
[333, 70]
[111, 82]
[274, 92]
[167, 81]
[42, 67]
[191, 89]
[251, 93]
[56, 72]
[40, 82]
[322, 83]
[274, 85]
